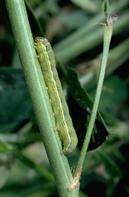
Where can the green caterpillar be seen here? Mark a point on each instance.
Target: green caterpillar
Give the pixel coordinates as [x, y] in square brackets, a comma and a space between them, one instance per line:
[63, 120]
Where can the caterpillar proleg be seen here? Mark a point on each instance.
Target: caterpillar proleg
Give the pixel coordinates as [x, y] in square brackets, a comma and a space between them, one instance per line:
[60, 110]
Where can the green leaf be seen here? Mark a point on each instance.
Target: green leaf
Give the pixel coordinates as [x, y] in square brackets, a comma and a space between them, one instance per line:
[15, 103]
[4, 147]
[115, 92]
[83, 102]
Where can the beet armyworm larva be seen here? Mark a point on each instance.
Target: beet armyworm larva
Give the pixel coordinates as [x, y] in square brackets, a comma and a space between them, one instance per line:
[60, 110]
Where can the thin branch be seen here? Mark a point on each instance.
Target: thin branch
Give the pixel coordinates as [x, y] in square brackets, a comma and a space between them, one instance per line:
[106, 44]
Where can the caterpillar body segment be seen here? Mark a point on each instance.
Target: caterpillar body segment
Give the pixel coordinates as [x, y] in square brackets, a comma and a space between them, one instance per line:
[63, 120]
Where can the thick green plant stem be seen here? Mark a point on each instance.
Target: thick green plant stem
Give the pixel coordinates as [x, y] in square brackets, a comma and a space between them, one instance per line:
[36, 86]
[107, 39]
